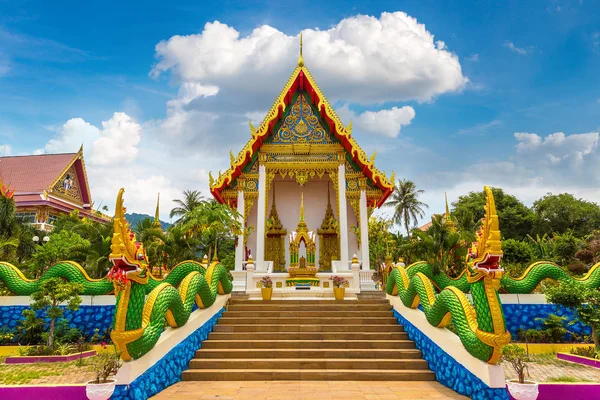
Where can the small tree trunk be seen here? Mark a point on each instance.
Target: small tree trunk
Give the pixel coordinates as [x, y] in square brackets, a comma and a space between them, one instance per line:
[51, 333]
[595, 336]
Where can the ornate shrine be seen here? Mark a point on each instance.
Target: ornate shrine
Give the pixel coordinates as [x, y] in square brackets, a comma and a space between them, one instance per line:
[302, 149]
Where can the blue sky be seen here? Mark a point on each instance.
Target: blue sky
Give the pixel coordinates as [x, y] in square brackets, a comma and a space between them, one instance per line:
[485, 107]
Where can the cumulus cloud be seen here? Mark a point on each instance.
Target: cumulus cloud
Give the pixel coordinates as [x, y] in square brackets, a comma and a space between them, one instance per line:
[362, 58]
[71, 135]
[556, 148]
[117, 140]
[387, 123]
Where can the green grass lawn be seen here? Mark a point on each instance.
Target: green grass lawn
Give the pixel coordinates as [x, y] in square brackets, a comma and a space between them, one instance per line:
[19, 374]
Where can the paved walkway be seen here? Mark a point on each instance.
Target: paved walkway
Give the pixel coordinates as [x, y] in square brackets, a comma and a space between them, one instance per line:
[306, 390]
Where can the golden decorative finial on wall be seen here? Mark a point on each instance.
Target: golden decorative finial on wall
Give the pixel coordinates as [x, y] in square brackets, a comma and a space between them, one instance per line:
[300, 59]
[302, 207]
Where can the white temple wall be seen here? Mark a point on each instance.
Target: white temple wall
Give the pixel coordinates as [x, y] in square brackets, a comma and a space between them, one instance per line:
[287, 197]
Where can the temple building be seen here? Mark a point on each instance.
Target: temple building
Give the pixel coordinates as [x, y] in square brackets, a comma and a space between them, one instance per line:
[47, 185]
[303, 186]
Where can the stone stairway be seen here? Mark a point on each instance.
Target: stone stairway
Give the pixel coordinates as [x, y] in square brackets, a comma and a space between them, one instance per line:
[308, 340]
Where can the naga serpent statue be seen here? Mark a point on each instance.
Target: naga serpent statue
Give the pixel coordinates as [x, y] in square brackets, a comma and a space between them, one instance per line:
[481, 327]
[140, 320]
[143, 301]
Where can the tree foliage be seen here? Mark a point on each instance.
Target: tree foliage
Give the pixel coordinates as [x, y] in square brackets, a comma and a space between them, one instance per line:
[406, 204]
[558, 213]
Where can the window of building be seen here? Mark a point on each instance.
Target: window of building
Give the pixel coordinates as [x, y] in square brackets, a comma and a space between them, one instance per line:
[52, 219]
[27, 217]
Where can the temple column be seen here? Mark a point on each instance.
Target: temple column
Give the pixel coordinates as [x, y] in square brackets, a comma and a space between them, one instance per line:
[343, 217]
[260, 217]
[364, 230]
[239, 250]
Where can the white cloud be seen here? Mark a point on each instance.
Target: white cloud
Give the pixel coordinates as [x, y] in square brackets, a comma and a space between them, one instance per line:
[479, 129]
[556, 147]
[362, 58]
[519, 50]
[385, 122]
[71, 135]
[5, 150]
[473, 57]
[118, 140]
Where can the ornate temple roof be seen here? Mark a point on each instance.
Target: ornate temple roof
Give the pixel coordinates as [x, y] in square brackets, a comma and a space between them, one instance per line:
[56, 180]
[302, 80]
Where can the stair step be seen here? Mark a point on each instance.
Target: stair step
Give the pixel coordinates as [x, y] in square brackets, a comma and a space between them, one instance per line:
[389, 320]
[364, 336]
[311, 344]
[306, 375]
[316, 307]
[308, 302]
[306, 328]
[303, 314]
[308, 363]
[309, 353]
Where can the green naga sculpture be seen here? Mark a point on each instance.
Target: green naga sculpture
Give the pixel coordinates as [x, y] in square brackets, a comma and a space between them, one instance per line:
[480, 326]
[140, 319]
[144, 302]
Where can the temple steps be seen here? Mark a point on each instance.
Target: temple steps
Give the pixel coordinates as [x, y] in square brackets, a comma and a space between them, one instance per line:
[310, 344]
[307, 328]
[306, 375]
[308, 340]
[324, 320]
[308, 363]
[362, 336]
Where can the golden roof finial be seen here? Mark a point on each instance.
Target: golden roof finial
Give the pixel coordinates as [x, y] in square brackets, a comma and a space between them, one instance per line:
[300, 59]
[449, 221]
[156, 223]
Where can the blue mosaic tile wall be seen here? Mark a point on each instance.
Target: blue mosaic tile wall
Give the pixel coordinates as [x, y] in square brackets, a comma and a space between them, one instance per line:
[87, 318]
[167, 371]
[525, 316]
[447, 370]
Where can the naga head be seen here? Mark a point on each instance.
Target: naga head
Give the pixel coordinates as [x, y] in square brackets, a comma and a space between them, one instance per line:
[126, 254]
[486, 252]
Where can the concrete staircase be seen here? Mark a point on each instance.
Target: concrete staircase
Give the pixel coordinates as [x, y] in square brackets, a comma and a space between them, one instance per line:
[308, 340]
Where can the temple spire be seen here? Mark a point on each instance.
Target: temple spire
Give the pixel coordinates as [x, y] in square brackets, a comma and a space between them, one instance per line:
[156, 223]
[449, 221]
[300, 59]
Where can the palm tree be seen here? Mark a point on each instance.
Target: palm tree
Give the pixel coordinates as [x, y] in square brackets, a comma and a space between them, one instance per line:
[439, 245]
[407, 207]
[191, 200]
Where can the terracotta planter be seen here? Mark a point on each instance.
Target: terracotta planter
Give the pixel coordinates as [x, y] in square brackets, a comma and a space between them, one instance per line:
[267, 292]
[339, 293]
[523, 391]
[100, 391]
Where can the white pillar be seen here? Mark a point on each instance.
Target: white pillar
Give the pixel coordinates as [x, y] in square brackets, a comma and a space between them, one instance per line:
[260, 217]
[355, 274]
[364, 231]
[249, 275]
[239, 250]
[343, 217]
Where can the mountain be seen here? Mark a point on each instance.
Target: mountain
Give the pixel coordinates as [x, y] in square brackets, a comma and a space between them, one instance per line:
[133, 218]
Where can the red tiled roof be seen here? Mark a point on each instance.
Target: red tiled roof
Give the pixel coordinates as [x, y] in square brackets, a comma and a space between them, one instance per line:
[33, 173]
[20, 198]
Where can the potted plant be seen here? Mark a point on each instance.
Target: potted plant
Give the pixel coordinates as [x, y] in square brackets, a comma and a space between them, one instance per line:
[339, 289]
[104, 365]
[266, 287]
[520, 388]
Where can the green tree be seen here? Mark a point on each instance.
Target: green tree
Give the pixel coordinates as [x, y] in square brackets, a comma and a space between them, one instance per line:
[406, 204]
[515, 218]
[565, 247]
[212, 223]
[64, 245]
[516, 251]
[439, 246]
[557, 213]
[584, 301]
[380, 239]
[54, 292]
[191, 199]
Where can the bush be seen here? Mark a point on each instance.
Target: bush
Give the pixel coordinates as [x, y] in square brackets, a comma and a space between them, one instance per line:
[517, 358]
[585, 255]
[577, 267]
[584, 352]
[516, 251]
[565, 247]
[514, 270]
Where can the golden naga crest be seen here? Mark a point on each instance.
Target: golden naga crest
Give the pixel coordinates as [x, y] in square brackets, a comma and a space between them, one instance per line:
[126, 254]
[485, 253]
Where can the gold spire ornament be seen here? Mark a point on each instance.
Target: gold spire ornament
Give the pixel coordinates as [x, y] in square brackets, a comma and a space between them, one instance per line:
[300, 59]
[156, 223]
[449, 222]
